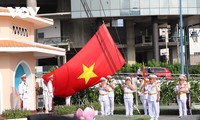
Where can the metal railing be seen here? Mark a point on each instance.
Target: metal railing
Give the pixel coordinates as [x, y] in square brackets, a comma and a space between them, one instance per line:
[54, 40]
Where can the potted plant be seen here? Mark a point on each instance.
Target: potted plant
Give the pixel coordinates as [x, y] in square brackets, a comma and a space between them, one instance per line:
[16, 114]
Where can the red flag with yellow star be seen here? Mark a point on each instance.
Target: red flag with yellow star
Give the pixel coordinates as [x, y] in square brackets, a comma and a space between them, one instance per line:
[98, 58]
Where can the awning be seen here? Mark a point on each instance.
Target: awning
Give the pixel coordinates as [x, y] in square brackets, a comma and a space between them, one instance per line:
[39, 50]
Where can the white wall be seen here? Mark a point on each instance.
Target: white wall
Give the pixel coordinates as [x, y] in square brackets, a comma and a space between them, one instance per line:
[51, 31]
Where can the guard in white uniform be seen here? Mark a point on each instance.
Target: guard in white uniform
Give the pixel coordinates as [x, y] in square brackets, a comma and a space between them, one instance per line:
[45, 95]
[23, 92]
[67, 101]
[111, 87]
[128, 90]
[181, 89]
[153, 97]
[103, 96]
[50, 93]
[143, 95]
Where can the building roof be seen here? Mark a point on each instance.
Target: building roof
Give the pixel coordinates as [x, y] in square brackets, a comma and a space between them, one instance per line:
[39, 50]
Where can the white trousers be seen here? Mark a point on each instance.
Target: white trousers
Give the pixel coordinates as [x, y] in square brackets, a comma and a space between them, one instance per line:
[128, 106]
[25, 104]
[145, 105]
[50, 99]
[46, 105]
[104, 107]
[182, 107]
[111, 106]
[153, 110]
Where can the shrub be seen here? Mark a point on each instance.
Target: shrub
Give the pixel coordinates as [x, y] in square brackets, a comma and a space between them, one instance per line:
[62, 110]
[11, 114]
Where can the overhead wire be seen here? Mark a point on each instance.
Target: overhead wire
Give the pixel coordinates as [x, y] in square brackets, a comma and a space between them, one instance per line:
[117, 33]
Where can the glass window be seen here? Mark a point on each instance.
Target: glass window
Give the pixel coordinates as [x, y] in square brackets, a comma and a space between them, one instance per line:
[125, 12]
[174, 11]
[198, 3]
[115, 12]
[84, 15]
[144, 3]
[184, 3]
[164, 3]
[192, 3]
[118, 23]
[144, 11]
[164, 11]
[154, 11]
[115, 4]
[134, 4]
[96, 13]
[198, 10]
[173, 3]
[125, 4]
[105, 4]
[192, 10]
[154, 3]
[76, 14]
[105, 13]
[75, 5]
[95, 5]
[184, 10]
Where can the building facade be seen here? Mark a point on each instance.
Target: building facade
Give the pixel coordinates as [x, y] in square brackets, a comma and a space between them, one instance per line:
[142, 29]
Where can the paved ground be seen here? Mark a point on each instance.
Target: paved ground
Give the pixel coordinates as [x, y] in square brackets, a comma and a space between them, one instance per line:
[114, 117]
[162, 117]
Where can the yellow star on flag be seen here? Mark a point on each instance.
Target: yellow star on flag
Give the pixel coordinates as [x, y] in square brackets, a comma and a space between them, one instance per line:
[88, 73]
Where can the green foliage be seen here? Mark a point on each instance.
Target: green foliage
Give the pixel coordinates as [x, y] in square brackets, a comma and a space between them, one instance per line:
[195, 69]
[194, 91]
[174, 68]
[118, 95]
[167, 94]
[63, 109]
[128, 68]
[12, 114]
[52, 68]
[152, 63]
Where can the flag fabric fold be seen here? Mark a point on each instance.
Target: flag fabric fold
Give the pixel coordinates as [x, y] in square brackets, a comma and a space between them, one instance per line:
[144, 73]
[98, 58]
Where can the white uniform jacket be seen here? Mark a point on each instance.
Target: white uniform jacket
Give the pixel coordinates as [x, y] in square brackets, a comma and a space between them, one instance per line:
[178, 88]
[111, 90]
[103, 94]
[23, 90]
[153, 90]
[128, 92]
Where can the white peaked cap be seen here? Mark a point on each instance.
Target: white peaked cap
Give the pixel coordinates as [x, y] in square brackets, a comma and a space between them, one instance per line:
[181, 75]
[152, 76]
[102, 79]
[109, 76]
[23, 76]
[128, 78]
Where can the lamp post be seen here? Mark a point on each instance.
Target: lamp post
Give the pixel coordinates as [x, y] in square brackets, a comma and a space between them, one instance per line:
[181, 39]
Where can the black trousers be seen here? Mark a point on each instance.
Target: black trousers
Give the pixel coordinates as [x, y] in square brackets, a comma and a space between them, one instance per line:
[189, 104]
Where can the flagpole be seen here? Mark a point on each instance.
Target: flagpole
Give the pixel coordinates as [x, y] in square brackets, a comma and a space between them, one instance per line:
[181, 39]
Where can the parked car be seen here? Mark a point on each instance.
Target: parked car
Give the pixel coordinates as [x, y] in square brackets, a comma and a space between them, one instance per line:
[162, 73]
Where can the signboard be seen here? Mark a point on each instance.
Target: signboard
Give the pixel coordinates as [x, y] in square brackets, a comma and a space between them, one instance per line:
[164, 51]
